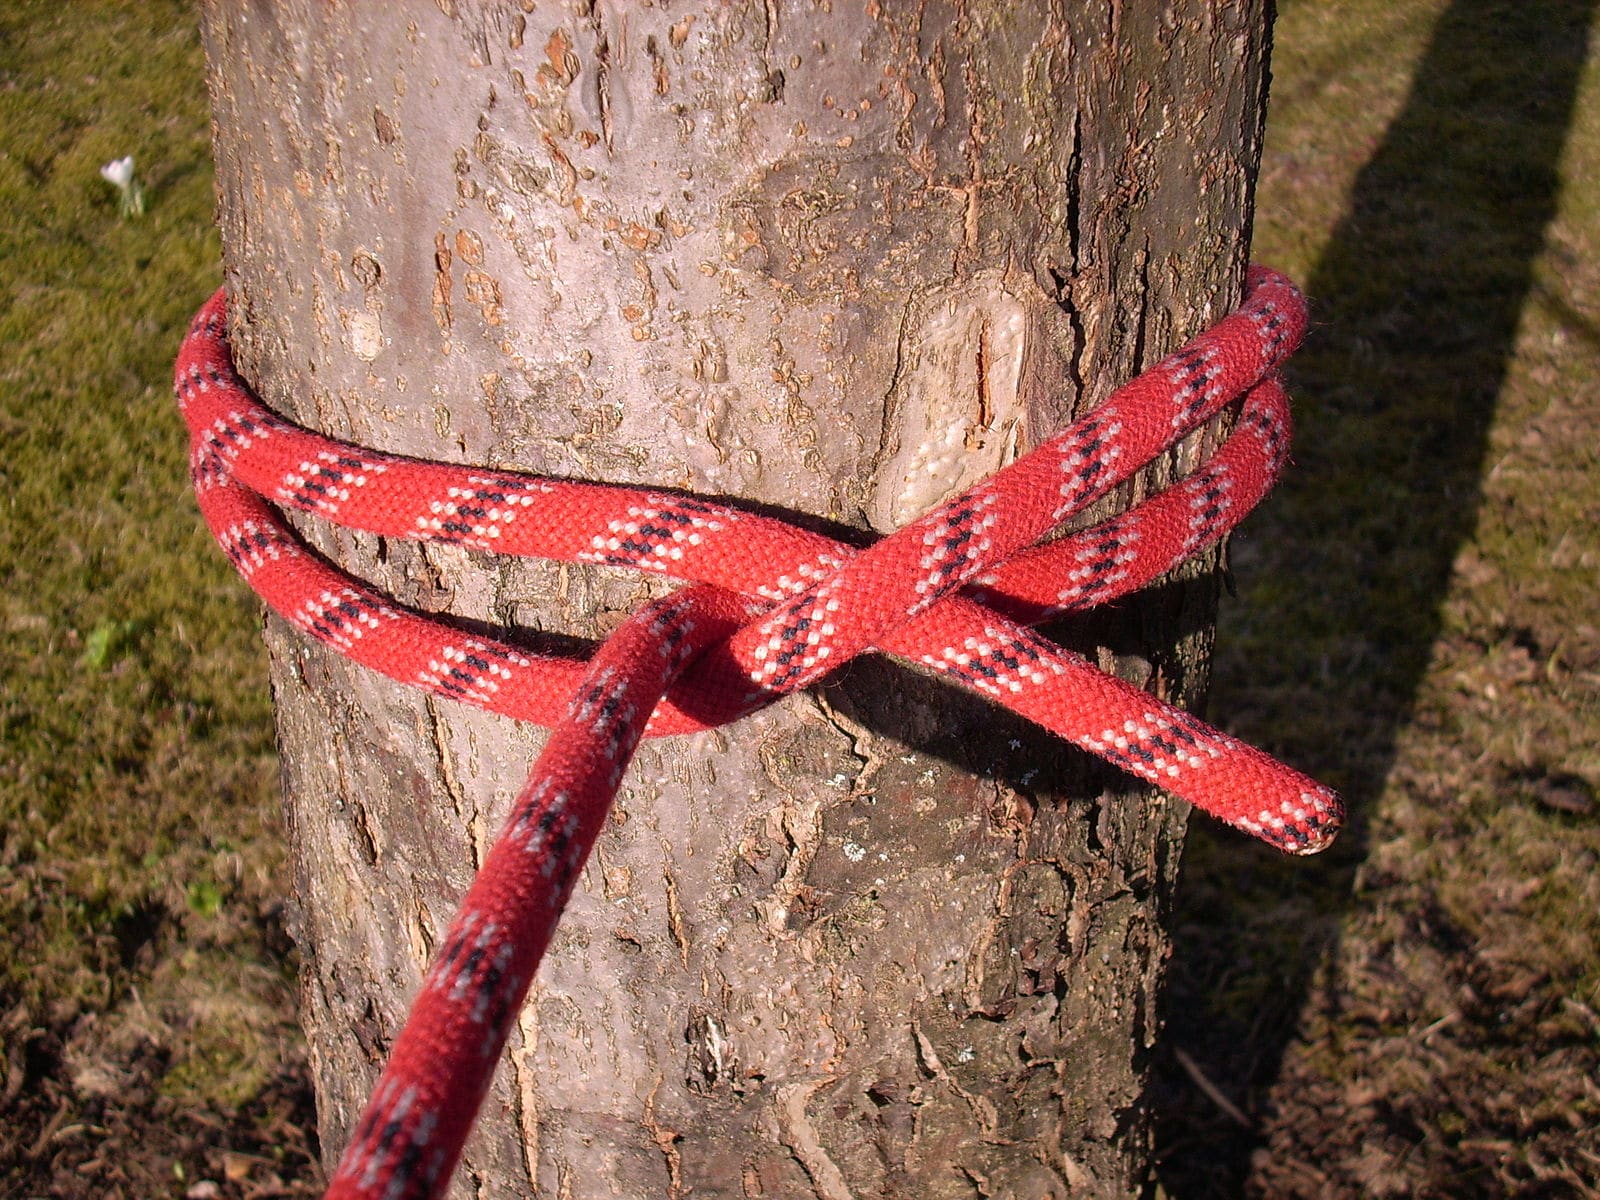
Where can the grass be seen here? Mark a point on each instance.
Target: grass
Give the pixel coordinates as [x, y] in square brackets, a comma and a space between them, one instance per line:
[1413, 1014]
[1416, 1014]
[137, 815]
[134, 716]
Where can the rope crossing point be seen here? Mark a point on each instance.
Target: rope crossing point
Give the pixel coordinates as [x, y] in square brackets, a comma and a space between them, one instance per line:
[769, 609]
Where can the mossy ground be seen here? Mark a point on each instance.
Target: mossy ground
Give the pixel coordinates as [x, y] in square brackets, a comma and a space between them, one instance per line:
[1413, 1014]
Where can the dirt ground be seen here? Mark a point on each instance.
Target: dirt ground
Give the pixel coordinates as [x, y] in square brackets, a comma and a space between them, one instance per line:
[1416, 1013]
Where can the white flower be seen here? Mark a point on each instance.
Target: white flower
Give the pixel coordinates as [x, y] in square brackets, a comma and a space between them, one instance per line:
[119, 173]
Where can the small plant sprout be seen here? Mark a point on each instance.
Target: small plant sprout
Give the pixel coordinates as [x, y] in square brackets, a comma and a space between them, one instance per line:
[119, 174]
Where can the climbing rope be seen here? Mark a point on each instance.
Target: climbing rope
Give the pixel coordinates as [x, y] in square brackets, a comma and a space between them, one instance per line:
[770, 608]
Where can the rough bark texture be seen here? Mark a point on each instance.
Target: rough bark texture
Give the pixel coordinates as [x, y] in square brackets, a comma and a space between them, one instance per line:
[838, 258]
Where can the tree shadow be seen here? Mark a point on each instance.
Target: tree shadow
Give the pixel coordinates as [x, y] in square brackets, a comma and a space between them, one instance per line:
[1416, 302]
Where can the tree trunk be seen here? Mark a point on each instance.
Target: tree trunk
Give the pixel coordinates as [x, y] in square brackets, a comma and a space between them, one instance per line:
[879, 940]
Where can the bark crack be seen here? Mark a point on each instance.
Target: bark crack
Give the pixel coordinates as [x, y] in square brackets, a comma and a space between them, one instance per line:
[890, 406]
[525, 1091]
[1001, 907]
[801, 1137]
[982, 1107]
[801, 824]
[666, 1141]
[466, 811]
[675, 921]
[862, 744]
[360, 818]
[1140, 330]
[602, 78]
[985, 400]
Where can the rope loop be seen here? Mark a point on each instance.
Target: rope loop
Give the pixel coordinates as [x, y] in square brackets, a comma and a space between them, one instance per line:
[770, 609]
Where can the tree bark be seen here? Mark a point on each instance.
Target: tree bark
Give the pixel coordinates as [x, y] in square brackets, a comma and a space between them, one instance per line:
[879, 940]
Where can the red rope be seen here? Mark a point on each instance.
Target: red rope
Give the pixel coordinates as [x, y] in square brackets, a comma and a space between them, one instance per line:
[772, 609]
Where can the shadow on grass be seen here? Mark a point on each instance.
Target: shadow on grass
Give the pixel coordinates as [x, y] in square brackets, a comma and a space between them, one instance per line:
[1416, 302]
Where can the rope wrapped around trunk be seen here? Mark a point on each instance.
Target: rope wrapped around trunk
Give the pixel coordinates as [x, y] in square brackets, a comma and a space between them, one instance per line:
[770, 608]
